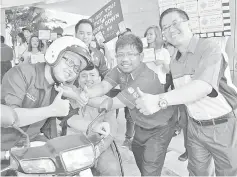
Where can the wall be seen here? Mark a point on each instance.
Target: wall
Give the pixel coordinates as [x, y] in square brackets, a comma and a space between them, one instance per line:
[3, 24]
[231, 46]
[140, 14]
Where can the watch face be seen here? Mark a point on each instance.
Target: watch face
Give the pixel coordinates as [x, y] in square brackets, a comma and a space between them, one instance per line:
[163, 104]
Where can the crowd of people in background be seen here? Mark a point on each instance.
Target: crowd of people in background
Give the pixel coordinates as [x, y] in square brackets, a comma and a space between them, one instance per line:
[151, 126]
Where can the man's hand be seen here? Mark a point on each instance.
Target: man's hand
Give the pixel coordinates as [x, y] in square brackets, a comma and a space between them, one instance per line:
[59, 106]
[83, 97]
[147, 103]
[102, 128]
[106, 105]
[8, 116]
[68, 91]
[72, 93]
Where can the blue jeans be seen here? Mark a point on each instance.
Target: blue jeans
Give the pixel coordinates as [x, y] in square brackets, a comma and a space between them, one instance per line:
[149, 147]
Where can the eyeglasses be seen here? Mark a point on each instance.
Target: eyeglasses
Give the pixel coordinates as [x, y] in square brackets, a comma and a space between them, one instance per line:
[70, 63]
[175, 24]
[129, 55]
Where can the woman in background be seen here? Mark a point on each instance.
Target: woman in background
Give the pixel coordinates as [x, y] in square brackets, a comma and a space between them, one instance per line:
[34, 53]
[162, 57]
[21, 48]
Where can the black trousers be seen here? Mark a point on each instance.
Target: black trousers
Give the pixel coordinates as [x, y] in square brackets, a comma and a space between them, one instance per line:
[149, 147]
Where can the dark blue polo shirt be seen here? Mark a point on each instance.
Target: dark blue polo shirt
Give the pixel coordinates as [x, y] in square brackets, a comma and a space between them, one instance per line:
[148, 81]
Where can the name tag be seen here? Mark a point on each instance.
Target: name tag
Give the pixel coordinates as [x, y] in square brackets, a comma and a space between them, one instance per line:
[31, 97]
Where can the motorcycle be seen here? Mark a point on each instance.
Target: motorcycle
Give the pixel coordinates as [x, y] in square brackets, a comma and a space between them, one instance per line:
[62, 156]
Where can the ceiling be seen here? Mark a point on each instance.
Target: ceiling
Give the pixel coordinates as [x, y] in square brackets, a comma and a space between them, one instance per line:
[138, 14]
[82, 7]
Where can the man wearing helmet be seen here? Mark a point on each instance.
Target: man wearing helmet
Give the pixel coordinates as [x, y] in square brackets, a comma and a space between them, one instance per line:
[29, 90]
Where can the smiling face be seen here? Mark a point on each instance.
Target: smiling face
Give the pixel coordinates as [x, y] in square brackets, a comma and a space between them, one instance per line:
[89, 78]
[65, 70]
[128, 58]
[34, 42]
[151, 36]
[85, 33]
[175, 28]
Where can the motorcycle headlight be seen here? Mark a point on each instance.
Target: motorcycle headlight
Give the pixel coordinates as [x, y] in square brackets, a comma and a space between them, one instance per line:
[77, 159]
[38, 166]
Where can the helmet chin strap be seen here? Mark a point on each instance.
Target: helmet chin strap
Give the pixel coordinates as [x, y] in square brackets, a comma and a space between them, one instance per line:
[54, 78]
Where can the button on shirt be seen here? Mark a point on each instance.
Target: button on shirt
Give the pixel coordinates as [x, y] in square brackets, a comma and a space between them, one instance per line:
[148, 81]
[204, 61]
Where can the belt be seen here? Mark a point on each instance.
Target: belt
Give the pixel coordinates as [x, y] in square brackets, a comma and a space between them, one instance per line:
[215, 121]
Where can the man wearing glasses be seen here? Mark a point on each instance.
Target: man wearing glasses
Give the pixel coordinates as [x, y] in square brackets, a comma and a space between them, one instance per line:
[152, 133]
[29, 90]
[202, 84]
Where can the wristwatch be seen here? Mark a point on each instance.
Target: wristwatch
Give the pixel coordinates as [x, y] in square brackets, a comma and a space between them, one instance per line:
[163, 104]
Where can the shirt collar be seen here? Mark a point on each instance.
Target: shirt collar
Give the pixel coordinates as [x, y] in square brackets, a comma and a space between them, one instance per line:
[191, 49]
[41, 81]
[138, 71]
[193, 44]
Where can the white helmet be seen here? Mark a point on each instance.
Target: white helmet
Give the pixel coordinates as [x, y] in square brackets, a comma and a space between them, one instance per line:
[67, 43]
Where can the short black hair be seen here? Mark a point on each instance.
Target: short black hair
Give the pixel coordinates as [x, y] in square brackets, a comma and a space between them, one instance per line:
[84, 21]
[2, 39]
[23, 38]
[123, 33]
[182, 14]
[131, 40]
[26, 29]
[90, 67]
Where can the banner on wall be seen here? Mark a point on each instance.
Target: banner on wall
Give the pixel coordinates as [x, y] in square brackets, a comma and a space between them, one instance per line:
[108, 21]
[208, 18]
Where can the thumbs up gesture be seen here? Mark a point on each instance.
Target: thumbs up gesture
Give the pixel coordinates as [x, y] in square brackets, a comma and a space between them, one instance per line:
[147, 103]
[69, 91]
[59, 106]
[84, 98]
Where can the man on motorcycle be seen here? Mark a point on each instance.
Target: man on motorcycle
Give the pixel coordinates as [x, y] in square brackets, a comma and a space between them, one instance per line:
[29, 90]
[108, 162]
